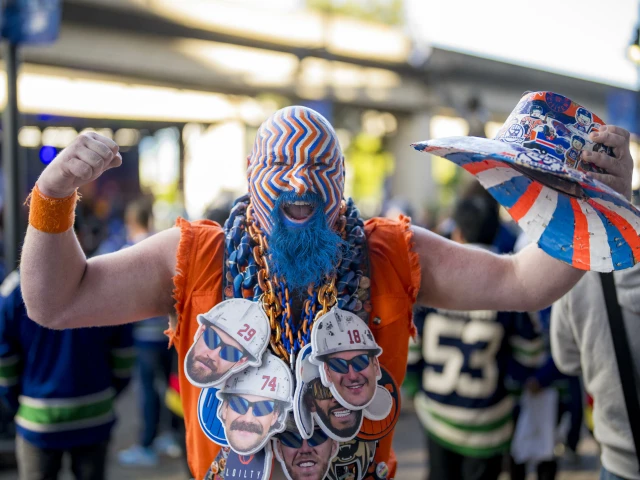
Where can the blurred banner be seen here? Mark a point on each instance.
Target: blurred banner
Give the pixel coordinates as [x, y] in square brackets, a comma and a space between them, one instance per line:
[31, 21]
[623, 109]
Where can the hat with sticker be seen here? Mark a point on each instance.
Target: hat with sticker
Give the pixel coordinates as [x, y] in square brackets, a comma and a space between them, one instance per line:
[244, 321]
[341, 331]
[535, 169]
[272, 380]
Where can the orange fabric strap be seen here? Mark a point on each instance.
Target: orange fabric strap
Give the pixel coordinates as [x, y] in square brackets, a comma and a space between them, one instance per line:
[51, 215]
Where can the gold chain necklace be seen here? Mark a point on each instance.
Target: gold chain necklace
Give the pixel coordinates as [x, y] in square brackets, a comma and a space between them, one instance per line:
[327, 293]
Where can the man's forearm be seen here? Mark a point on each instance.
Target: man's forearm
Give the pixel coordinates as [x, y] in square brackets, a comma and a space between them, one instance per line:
[52, 266]
[542, 278]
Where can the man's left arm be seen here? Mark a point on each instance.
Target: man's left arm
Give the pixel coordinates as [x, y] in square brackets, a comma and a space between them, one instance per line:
[465, 278]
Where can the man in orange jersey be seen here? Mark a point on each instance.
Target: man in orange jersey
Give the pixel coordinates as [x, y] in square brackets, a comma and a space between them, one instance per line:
[292, 244]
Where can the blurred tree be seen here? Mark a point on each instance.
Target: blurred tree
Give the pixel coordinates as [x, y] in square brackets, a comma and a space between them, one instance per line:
[370, 165]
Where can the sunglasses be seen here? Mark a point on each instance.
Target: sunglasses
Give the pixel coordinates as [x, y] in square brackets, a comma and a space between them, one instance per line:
[293, 440]
[359, 363]
[227, 352]
[241, 405]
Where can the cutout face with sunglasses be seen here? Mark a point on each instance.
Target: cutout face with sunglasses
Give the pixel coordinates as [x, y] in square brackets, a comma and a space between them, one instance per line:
[354, 376]
[305, 459]
[213, 355]
[339, 422]
[248, 420]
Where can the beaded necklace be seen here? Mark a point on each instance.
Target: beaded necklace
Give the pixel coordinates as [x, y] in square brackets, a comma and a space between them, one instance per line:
[247, 275]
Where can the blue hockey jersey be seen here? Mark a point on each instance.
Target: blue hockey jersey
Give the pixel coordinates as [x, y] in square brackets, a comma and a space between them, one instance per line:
[464, 356]
[61, 383]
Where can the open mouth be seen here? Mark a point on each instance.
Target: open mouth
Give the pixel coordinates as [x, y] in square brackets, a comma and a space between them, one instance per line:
[298, 211]
[342, 413]
[356, 388]
[307, 464]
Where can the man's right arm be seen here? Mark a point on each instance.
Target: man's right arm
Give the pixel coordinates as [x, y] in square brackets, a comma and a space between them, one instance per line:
[61, 288]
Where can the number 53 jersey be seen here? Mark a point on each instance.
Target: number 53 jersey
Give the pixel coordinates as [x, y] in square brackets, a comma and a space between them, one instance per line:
[464, 357]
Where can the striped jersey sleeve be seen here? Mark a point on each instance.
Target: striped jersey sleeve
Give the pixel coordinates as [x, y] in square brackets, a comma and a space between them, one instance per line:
[11, 310]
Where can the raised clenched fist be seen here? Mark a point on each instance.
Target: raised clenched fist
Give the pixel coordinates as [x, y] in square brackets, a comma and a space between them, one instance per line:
[84, 160]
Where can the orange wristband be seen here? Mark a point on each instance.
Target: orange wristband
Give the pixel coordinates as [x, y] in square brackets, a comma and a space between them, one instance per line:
[51, 215]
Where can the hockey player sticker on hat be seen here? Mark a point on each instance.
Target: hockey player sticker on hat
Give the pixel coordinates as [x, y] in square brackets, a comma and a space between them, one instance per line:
[347, 354]
[313, 401]
[232, 336]
[535, 167]
[308, 458]
[255, 403]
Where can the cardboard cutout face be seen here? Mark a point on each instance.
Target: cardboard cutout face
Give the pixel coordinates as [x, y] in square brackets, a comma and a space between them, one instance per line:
[347, 354]
[340, 422]
[232, 336]
[304, 459]
[247, 432]
[315, 404]
[352, 377]
[255, 403]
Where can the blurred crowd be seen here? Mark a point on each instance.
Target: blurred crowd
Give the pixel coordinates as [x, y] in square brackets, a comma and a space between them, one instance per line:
[484, 385]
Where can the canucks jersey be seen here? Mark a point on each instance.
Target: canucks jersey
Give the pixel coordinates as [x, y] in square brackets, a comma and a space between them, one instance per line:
[61, 384]
[463, 402]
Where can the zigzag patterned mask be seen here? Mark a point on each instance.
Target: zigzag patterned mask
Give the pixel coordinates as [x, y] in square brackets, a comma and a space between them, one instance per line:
[296, 150]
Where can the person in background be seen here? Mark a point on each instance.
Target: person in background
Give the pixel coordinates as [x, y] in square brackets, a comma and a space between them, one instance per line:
[507, 234]
[570, 396]
[463, 402]
[569, 400]
[581, 343]
[61, 385]
[174, 405]
[153, 362]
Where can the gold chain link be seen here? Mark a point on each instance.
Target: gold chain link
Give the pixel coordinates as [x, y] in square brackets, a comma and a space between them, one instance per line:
[327, 293]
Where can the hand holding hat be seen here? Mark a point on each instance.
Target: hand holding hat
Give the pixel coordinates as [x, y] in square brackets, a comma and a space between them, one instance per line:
[567, 186]
[619, 168]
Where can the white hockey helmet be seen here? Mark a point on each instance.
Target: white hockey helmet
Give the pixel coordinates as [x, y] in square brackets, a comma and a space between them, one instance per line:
[272, 379]
[244, 321]
[341, 331]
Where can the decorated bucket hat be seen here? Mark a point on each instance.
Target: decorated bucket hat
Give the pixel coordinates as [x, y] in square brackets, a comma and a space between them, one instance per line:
[533, 168]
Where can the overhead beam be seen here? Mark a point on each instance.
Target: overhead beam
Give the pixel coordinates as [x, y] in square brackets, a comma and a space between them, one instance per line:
[146, 22]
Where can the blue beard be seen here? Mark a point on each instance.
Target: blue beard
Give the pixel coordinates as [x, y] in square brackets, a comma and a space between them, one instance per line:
[303, 255]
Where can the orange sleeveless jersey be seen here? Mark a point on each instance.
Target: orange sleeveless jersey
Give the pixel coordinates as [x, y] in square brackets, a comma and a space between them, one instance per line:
[395, 272]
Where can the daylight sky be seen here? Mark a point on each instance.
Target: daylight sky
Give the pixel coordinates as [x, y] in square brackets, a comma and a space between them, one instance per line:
[581, 38]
